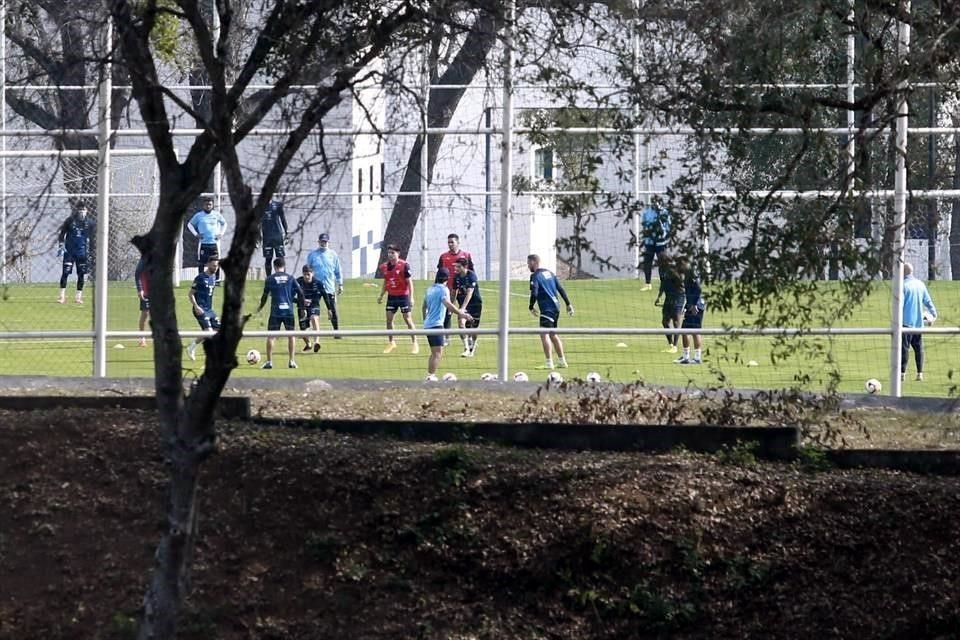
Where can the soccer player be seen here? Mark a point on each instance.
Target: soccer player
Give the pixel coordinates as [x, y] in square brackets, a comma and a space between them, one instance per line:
[273, 233]
[436, 303]
[398, 287]
[326, 268]
[309, 306]
[209, 226]
[140, 277]
[73, 243]
[201, 301]
[693, 310]
[282, 289]
[448, 262]
[656, 232]
[671, 290]
[469, 300]
[545, 291]
[915, 299]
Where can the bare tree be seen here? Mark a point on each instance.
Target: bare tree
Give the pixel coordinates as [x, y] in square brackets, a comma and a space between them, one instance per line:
[277, 45]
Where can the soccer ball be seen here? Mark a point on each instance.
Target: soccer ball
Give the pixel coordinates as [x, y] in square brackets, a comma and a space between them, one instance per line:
[872, 385]
[554, 377]
[450, 377]
[253, 356]
[488, 376]
[520, 376]
[431, 377]
[593, 376]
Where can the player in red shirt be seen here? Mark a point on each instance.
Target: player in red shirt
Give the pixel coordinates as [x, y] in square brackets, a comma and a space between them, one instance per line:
[448, 261]
[398, 287]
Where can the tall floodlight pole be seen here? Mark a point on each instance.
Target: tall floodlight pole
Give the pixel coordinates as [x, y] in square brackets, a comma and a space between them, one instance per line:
[103, 208]
[425, 167]
[217, 169]
[636, 150]
[506, 192]
[899, 209]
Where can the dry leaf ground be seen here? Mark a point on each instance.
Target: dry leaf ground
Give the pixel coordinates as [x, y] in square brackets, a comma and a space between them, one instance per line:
[308, 534]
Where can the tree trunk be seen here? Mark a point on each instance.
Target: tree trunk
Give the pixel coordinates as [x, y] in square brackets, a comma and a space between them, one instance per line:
[443, 104]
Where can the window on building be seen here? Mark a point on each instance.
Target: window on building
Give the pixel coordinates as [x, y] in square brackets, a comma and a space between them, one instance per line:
[371, 182]
[543, 164]
[359, 185]
[382, 168]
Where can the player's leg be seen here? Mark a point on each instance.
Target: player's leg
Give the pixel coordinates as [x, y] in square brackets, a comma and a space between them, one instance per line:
[405, 311]
[436, 351]
[81, 275]
[547, 322]
[391, 311]
[918, 354]
[288, 323]
[314, 315]
[267, 259]
[904, 354]
[558, 347]
[330, 300]
[273, 324]
[648, 251]
[666, 320]
[65, 271]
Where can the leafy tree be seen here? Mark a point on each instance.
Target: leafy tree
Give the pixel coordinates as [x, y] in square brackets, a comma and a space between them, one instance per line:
[274, 48]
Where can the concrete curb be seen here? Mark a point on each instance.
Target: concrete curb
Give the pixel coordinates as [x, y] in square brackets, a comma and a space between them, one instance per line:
[775, 443]
[231, 407]
[945, 463]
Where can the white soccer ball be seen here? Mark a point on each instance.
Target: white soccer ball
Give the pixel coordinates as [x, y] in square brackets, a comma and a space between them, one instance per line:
[520, 376]
[554, 377]
[431, 377]
[450, 377]
[253, 356]
[873, 385]
[593, 376]
[488, 376]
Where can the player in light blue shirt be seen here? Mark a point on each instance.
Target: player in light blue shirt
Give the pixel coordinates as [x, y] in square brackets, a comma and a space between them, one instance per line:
[209, 226]
[545, 293]
[326, 269]
[655, 223]
[436, 304]
[916, 298]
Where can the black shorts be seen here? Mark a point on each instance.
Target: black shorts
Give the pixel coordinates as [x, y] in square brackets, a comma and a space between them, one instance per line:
[307, 313]
[273, 249]
[208, 320]
[671, 310]
[69, 260]
[398, 303]
[693, 320]
[207, 251]
[276, 322]
[549, 322]
[435, 341]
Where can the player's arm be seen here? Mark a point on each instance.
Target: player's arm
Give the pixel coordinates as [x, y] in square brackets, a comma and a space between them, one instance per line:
[452, 308]
[563, 294]
[197, 309]
[383, 291]
[192, 226]
[534, 290]
[282, 220]
[338, 274]
[62, 234]
[928, 303]
[470, 262]
[264, 296]
[410, 279]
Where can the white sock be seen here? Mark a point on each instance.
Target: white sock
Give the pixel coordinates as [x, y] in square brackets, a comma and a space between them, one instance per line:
[696, 354]
[686, 352]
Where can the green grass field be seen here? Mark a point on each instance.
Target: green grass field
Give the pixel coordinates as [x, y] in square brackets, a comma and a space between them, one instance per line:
[599, 303]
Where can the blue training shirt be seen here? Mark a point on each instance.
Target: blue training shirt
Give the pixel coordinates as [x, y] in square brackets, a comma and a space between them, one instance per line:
[326, 268]
[464, 282]
[75, 234]
[273, 225]
[283, 290]
[203, 286]
[915, 298]
[546, 291]
[208, 226]
[435, 309]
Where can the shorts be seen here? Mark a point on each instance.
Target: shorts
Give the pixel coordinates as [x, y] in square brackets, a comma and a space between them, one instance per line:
[307, 313]
[69, 260]
[671, 310]
[273, 248]
[548, 322]
[207, 251]
[208, 320]
[691, 321]
[144, 304]
[398, 303]
[275, 323]
[435, 341]
[473, 322]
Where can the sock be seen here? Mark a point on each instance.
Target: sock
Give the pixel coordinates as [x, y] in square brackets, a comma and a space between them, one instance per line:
[686, 352]
[696, 354]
